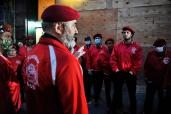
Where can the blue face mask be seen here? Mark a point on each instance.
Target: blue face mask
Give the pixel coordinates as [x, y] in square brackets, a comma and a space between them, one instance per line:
[87, 42]
[97, 41]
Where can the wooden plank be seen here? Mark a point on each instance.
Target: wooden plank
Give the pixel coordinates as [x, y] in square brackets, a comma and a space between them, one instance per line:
[138, 3]
[150, 22]
[144, 11]
[82, 5]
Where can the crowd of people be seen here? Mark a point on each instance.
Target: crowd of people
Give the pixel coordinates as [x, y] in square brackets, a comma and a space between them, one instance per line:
[57, 76]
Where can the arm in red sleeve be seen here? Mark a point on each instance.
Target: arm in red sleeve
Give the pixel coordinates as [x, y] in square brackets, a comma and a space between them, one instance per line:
[6, 62]
[7, 66]
[70, 88]
[114, 60]
[88, 61]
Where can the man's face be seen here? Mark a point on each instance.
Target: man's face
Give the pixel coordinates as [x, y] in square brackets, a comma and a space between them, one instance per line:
[68, 36]
[127, 35]
[12, 52]
[109, 44]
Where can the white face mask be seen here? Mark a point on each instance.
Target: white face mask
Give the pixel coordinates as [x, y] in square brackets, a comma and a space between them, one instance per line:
[87, 42]
[159, 49]
[97, 41]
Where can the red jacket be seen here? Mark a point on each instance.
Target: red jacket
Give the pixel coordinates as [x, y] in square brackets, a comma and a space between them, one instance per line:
[103, 61]
[155, 69]
[24, 50]
[126, 57]
[13, 82]
[6, 71]
[54, 80]
[86, 56]
[92, 62]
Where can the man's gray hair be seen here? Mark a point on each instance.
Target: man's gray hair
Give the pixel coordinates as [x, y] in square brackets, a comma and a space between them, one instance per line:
[47, 26]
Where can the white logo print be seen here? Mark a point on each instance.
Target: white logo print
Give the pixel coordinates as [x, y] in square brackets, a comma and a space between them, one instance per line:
[32, 72]
[166, 60]
[133, 50]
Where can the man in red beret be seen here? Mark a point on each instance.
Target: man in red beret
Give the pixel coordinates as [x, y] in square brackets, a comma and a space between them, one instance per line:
[53, 76]
[157, 75]
[126, 61]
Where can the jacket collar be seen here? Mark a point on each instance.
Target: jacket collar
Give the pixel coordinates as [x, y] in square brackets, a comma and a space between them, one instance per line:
[48, 39]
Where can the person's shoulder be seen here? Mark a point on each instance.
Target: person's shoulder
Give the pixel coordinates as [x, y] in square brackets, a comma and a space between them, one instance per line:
[92, 46]
[118, 44]
[169, 52]
[151, 53]
[65, 56]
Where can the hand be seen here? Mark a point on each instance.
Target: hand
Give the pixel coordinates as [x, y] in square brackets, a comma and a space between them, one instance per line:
[131, 72]
[80, 52]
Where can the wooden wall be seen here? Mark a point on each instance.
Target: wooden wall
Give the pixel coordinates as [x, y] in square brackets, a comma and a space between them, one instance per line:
[151, 19]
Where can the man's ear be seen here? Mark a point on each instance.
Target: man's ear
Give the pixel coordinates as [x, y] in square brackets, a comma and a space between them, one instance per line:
[59, 28]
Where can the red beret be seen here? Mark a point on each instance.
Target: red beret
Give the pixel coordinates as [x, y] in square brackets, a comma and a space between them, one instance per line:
[59, 13]
[109, 39]
[159, 43]
[128, 28]
[97, 35]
